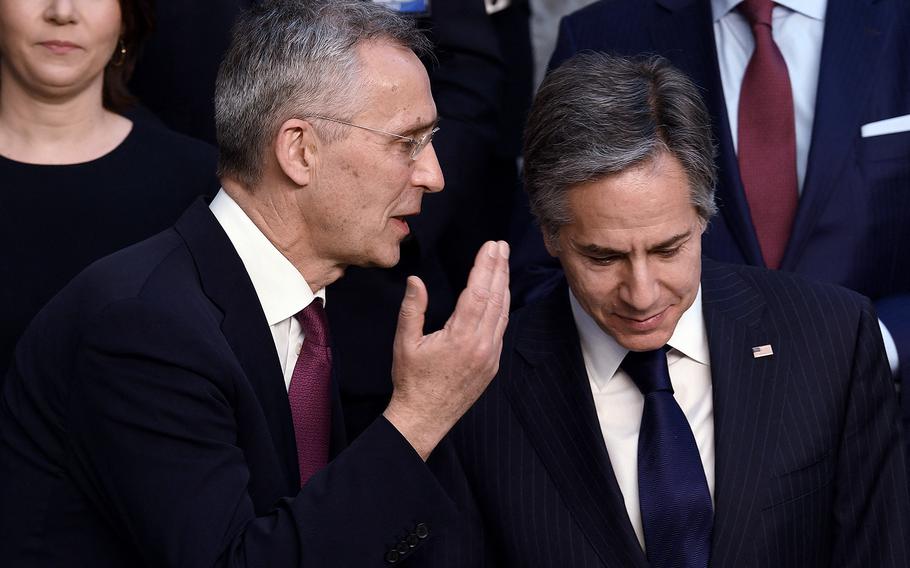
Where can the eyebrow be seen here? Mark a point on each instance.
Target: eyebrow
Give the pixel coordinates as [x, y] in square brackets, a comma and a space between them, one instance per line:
[597, 250]
[423, 127]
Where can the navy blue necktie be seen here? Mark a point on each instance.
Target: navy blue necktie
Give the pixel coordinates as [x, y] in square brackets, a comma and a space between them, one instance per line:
[676, 509]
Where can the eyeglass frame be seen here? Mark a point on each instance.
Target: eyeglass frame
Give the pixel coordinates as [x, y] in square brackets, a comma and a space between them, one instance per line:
[417, 144]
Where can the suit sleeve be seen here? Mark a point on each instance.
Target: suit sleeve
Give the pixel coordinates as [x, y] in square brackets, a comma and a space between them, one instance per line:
[872, 505]
[154, 428]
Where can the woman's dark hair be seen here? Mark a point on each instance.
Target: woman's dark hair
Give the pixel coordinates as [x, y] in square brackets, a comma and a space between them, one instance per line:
[138, 21]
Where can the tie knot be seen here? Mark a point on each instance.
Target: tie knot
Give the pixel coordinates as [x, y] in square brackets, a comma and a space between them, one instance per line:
[648, 370]
[757, 11]
[314, 322]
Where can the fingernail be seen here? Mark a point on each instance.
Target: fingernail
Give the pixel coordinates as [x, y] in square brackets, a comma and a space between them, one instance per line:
[504, 249]
[411, 289]
[491, 249]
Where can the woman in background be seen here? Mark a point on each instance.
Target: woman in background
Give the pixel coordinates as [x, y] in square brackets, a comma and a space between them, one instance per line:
[78, 180]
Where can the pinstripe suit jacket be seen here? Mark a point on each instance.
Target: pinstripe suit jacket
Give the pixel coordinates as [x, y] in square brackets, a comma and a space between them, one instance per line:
[808, 460]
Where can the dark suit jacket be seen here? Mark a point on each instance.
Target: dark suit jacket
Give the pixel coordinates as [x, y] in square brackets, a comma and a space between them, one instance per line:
[145, 423]
[851, 225]
[809, 468]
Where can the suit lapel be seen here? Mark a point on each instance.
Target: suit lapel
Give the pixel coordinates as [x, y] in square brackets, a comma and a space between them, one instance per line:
[747, 406]
[553, 401]
[225, 281]
[682, 31]
[855, 32]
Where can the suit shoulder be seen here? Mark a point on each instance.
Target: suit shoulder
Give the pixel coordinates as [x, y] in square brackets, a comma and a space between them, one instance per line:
[794, 295]
[544, 314]
[157, 267]
[131, 291]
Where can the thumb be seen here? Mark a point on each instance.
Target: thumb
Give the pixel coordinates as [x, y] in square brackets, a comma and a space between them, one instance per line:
[411, 314]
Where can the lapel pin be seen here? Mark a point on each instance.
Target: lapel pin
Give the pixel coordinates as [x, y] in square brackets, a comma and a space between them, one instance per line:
[762, 351]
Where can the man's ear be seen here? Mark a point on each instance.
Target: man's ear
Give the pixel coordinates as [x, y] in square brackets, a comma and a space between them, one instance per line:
[295, 150]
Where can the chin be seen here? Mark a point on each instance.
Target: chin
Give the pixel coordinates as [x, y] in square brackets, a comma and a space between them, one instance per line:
[644, 342]
[642, 345]
[387, 260]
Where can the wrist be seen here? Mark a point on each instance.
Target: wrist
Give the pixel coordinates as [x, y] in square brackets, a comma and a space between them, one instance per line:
[422, 433]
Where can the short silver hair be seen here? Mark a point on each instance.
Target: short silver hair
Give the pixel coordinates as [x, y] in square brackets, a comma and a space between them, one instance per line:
[295, 58]
[598, 115]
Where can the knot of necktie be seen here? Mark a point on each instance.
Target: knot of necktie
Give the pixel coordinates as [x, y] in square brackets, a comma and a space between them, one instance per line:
[758, 12]
[314, 322]
[648, 369]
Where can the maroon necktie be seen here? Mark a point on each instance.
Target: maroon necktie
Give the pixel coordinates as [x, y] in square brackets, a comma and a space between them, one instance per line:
[767, 137]
[310, 392]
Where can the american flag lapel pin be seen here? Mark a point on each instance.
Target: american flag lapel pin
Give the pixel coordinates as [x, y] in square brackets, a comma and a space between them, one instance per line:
[762, 351]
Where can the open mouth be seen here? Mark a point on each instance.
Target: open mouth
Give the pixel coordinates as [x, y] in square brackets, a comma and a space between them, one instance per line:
[401, 221]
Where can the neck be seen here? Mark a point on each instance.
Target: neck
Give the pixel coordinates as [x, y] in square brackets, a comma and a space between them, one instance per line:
[56, 129]
[277, 216]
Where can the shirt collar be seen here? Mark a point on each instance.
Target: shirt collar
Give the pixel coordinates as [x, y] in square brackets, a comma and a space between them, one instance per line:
[281, 289]
[811, 8]
[690, 337]
[604, 355]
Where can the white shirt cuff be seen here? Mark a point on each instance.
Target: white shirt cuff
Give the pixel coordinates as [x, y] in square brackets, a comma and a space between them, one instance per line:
[890, 348]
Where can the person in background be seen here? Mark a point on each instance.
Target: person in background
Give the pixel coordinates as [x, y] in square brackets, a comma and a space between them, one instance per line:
[78, 180]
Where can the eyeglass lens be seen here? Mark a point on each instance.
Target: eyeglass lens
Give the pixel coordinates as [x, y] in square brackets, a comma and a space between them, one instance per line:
[422, 142]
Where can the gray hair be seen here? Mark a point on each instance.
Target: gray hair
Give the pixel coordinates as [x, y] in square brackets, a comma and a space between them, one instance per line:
[295, 58]
[598, 115]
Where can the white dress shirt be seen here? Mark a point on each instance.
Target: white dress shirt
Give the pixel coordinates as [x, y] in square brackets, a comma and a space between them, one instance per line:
[281, 289]
[797, 27]
[619, 403]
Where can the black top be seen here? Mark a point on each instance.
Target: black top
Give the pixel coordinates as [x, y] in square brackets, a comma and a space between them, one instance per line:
[57, 219]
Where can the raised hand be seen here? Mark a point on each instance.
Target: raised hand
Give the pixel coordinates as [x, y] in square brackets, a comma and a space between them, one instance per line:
[437, 377]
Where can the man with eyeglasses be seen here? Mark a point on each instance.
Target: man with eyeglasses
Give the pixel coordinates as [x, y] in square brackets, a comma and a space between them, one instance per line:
[175, 405]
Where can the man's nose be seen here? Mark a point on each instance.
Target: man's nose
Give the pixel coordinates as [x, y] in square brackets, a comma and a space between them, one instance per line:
[427, 172]
[640, 289]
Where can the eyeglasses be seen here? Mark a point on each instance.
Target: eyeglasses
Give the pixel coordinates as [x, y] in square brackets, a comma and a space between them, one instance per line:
[417, 144]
